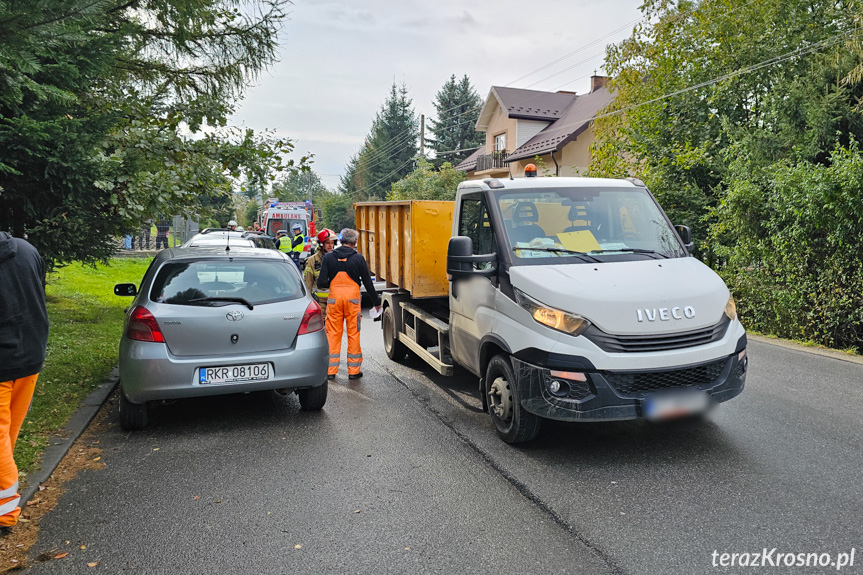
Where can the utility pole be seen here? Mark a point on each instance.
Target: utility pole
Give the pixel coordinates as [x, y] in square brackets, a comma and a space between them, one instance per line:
[422, 135]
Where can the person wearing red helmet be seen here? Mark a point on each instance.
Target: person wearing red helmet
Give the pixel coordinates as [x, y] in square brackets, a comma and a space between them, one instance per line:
[326, 242]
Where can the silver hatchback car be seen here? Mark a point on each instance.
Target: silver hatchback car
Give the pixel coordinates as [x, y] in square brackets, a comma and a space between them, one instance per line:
[211, 321]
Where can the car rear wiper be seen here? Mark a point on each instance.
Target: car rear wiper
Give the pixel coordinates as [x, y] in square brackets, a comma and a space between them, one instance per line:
[243, 301]
[584, 255]
[632, 250]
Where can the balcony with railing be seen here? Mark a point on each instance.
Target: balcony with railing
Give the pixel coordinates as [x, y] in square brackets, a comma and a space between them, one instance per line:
[491, 161]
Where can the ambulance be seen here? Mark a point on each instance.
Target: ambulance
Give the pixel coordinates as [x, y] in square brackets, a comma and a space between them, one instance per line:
[283, 215]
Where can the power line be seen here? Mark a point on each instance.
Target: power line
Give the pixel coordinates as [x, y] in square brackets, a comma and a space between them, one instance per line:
[676, 17]
[576, 51]
[803, 51]
[680, 15]
[364, 188]
[567, 69]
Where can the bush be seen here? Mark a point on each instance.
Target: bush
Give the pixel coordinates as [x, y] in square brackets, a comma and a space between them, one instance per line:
[797, 265]
[427, 183]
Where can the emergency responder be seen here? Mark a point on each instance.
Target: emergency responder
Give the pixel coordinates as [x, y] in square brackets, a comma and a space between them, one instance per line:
[326, 244]
[232, 225]
[342, 271]
[282, 242]
[298, 243]
[23, 339]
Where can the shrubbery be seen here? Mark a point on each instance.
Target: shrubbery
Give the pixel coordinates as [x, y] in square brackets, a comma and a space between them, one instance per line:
[797, 266]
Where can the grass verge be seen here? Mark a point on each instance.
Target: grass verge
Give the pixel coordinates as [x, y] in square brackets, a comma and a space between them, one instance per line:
[86, 320]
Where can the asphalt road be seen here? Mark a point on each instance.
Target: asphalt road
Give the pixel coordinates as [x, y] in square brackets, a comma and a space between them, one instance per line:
[402, 473]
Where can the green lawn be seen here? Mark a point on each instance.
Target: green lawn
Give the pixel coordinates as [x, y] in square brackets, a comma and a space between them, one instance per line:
[86, 321]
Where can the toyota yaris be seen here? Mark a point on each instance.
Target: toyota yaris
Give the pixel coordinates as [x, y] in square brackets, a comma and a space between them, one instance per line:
[211, 321]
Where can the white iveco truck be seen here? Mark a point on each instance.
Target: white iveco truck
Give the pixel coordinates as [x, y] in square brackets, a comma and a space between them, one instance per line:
[570, 298]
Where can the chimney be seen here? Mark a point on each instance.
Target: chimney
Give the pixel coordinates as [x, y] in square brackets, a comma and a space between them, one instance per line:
[597, 82]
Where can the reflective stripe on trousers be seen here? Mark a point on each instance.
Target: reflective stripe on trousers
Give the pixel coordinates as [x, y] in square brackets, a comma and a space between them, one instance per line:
[343, 309]
[15, 397]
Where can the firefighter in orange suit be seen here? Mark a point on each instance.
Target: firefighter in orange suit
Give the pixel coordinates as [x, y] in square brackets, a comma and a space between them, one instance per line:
[23, 339]
[342, 271]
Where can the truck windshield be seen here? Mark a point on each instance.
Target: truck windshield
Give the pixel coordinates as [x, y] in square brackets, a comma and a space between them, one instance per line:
[560, 222]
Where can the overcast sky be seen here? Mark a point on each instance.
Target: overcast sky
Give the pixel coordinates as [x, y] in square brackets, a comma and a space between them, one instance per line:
[338, 60]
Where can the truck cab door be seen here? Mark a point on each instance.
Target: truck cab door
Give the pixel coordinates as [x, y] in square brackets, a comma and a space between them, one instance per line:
[472, 298]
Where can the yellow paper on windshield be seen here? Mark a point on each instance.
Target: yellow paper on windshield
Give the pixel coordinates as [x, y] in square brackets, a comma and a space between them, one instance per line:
[580, 241]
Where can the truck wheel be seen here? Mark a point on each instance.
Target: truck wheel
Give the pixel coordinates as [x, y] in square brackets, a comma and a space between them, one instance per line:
[132, 415]
[313, 398]
[513, 423]
[395, 349]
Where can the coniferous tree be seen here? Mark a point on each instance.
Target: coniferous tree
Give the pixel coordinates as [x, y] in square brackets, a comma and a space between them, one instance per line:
[458, 106]
[97, 101]
[390, 148]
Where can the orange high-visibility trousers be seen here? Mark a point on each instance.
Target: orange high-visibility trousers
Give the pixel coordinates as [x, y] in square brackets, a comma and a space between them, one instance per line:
[15, 397]
[343, 307]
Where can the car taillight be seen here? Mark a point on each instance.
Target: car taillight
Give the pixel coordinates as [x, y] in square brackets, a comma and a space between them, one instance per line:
[143, 326]
[312, 320]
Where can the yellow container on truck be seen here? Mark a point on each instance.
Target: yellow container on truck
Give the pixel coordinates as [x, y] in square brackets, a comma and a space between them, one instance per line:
[405, 244]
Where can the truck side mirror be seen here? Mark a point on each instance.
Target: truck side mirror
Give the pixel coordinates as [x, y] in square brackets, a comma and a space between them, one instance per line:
[460, 259]
[125, 290]
[459, 247]
[686, 236]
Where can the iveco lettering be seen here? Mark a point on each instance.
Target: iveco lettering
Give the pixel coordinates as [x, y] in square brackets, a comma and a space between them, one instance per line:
[665, 314]
[568, 298]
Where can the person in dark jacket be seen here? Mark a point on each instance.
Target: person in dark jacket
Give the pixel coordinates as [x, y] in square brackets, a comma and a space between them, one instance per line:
[342, 271]
[144, 236]
[162, 227]
[23, 340]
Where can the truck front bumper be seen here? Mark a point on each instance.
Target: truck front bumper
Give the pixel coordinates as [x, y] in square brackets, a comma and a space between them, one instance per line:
[619, 395]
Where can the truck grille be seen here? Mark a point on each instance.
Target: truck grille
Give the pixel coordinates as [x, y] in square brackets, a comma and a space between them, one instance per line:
[656, 342]
[641, 383]
[578, 390]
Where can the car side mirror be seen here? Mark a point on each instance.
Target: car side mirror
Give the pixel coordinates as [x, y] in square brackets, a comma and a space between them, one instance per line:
[125, 290]
[686, 237]
[460, 259]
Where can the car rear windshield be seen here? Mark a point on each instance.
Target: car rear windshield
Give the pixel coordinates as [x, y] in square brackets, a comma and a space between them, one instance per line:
[206, 282]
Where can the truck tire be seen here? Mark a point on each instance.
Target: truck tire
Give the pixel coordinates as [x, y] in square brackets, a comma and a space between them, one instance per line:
[395, 349]
[512, 422]
[133, 416]
[313, 398]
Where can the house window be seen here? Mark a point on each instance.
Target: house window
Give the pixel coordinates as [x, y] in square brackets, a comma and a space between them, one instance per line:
[500, 142]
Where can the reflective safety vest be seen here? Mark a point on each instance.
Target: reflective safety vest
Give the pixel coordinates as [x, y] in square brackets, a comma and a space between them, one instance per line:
[285, 245]
[299, 243]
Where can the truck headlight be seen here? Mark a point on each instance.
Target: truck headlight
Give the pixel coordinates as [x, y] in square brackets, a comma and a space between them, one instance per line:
[731, 308]
[554, 318]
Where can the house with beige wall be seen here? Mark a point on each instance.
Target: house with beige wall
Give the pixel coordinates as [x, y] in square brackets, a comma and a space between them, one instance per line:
[523, 124]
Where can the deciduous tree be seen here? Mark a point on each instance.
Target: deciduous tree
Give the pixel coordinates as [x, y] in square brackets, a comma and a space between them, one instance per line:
[744, 118]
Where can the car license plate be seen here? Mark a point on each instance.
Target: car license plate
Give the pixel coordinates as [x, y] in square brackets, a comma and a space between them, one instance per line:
[670, 405]
[234, 373]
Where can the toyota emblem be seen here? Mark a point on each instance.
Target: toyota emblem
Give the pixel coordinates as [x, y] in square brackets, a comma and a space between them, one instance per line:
[235, 315]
